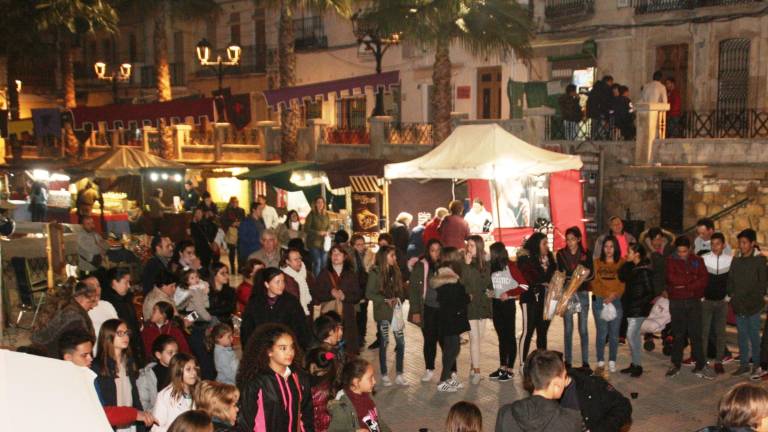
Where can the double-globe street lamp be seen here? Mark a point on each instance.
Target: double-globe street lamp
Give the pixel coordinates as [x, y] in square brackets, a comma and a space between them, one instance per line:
[121, 74]
[204, 50]
[377, 42]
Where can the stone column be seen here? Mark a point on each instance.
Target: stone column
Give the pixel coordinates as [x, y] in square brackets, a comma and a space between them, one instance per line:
[315, 127]
[651, 125]
[220, 133]
[265, 129]
[181, 133]
[379, 135]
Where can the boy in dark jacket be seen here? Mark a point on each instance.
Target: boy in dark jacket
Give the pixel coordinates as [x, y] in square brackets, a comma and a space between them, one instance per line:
[747, 282]
[714, 307]
[602, 407]
[687, 280]
[541, 411]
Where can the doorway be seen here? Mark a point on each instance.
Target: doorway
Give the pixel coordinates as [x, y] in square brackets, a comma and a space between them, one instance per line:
[672, 61]
[672, 204]
[489, 92]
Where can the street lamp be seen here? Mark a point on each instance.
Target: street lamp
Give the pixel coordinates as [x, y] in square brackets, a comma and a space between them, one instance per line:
[122, 73]
[204, 50]
[373, 38]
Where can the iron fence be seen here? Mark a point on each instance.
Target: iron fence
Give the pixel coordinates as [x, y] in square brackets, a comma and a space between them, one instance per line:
[557, 9]
[332, 135]
[748, 123]
[588, 130]
[309, 34]
[411, 133]
[655, 6]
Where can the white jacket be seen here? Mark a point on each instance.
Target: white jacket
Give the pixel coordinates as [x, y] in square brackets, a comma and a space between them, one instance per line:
[167, 409]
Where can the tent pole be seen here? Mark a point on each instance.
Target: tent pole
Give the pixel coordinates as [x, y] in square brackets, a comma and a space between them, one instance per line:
[453, 189]
[498, 209]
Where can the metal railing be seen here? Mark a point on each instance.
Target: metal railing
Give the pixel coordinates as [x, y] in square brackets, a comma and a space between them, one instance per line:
[560, 9]
[309, 34]
[411, 133]
[588, 130]
[332, 135]
[655, 6]
[748, 123]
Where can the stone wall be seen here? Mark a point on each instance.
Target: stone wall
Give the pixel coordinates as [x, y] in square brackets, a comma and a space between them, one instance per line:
[710, 151]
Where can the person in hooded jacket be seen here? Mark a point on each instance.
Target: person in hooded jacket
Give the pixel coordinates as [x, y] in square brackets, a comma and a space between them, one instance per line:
[602, 407]
[541, 411]
[538, 265]
[637, 276]
[117, 291]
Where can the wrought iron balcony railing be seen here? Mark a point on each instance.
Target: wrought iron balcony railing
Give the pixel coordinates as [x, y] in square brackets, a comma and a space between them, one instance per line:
[309, 34]
[568, 9]
[656, 6]
[747, 123]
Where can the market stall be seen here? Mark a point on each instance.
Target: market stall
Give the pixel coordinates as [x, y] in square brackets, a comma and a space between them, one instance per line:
[518, 182]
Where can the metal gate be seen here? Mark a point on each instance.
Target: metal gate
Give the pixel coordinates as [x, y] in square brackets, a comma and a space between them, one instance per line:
[733, 88]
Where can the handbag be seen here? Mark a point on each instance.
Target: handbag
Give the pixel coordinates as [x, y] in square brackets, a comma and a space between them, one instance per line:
[398, 323]
[334, 305]
[608, 313]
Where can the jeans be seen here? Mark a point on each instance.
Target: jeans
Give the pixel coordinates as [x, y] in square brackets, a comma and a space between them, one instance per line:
[477, 329]
[429, 330]
[607, 331]
[319, 258]
[686, 323]
[362, 322]
[232, 257]
[450, 353]
[583, 297]
[384, 342]
[714, 314]
[504, 324]
[634, 340]
[533, 320]
[748, 327]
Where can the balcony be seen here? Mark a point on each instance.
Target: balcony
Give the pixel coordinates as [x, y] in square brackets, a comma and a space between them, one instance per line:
[558, 10]
[657, 6]
[309, 34]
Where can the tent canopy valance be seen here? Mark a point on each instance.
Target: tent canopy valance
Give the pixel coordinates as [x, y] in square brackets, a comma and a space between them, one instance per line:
[125, 161]
[284, 96]
[339, 172]
[483, 152]
[279, 175]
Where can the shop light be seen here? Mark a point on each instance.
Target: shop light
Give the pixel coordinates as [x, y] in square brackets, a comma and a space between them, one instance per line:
[164, 176]
[154, 177]
[40, 174]
[177, 177]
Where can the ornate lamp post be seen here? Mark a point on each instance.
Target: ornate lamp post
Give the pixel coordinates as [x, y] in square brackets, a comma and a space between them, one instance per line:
[121, 74]
[204, 50]
[369, 35]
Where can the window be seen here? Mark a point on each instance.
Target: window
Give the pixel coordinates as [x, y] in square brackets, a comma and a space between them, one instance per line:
[313, 109]
[132, 54]
[106, 48]
[351, 113]
[234, 28]
[178, 46]
[733, 75]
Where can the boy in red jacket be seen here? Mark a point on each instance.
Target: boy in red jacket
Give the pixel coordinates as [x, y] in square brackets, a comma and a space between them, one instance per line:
[687, 279]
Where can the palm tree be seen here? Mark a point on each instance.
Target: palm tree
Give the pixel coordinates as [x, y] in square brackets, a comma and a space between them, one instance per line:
[489, 27]
[16, 41]
[289, 116]
[68, 19]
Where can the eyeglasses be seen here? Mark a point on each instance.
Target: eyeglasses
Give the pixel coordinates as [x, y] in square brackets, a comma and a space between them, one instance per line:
[123, 333]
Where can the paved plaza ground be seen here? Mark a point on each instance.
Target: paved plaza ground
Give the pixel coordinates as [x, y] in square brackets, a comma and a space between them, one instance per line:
[683, 403]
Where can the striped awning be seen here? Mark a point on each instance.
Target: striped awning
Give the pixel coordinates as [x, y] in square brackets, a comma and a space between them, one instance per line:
[284, 96]
[365, 184]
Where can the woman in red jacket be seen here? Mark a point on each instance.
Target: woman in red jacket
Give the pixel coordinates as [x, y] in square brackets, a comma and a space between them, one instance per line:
[162, 322]
[508, 283]
[245, 288]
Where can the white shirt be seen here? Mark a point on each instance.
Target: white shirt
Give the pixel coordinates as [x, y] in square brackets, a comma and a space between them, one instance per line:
[269, 215]
[476, 220]
[654, 92]
[166, 409]
[99, 314]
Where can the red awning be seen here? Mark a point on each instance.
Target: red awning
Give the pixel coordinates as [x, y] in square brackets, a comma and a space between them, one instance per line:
[323, 89]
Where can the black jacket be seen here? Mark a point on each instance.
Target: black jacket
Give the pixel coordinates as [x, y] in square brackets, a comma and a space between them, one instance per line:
[599, 100]
[569, 265]
[569, 107]
[453, 299]
[267, 390]
[107, 389]
[222, 303]
[602, 407]
[286, 310]
[536, 414]
[536, 276]
[152, 268]
[126, 311]
[639, 291]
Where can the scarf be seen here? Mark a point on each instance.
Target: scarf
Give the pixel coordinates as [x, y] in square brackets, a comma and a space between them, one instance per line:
[305, 298]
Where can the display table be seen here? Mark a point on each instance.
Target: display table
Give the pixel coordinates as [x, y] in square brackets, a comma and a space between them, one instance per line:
[116, 222]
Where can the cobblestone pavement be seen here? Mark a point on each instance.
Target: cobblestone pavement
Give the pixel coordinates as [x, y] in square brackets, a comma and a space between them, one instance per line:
[683, 403]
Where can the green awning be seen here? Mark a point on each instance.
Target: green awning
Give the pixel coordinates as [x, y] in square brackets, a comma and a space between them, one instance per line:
[279, 175]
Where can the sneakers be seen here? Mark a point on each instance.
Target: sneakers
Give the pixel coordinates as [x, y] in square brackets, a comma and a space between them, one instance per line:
[690, 362]
[586, 369]
[456, 383]
[728, 359]
[600, 369]
[506, 376]
[719, 368]
[374, 345]
[495, 375]
[428, 374]
[446, 387]
[612, 366]
[628, 370]
[400, 380]
[673, 371]
[636, 372]
[742, 370]
[385, 381]
[758, 374]
[475, 377]
[705, 373]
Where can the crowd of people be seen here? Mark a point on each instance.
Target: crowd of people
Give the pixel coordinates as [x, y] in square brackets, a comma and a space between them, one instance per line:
[165, 355]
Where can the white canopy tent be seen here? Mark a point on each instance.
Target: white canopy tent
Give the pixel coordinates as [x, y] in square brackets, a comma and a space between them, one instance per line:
[483, 152]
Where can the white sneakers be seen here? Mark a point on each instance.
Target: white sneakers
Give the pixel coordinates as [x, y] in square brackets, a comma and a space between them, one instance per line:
[446, 387]
[475, 377]
[428, 374]
[400, 380]
[611, 366]
[385, 381]
[455, 380]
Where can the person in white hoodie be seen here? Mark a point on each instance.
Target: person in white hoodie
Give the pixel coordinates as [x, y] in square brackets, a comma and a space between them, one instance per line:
[714, 308]
[176, 399]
